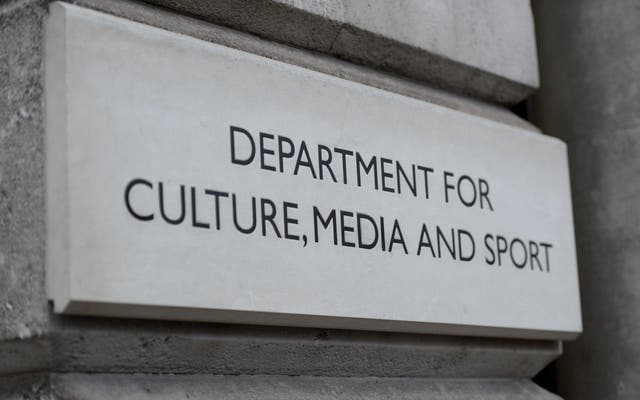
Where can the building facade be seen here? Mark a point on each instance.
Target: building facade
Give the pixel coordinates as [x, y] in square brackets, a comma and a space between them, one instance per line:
[562, 69]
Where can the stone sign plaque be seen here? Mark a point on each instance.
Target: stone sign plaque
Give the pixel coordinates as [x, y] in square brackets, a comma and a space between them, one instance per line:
[191, 181]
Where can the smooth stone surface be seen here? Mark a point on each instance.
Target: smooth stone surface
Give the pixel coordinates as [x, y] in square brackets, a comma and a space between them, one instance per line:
[484, 49]
[590, 64]
[146, 123]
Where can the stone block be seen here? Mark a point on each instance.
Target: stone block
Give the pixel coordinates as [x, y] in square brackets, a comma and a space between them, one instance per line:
[482, 49]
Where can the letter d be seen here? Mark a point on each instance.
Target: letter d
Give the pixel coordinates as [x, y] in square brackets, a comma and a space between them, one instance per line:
[232, 136]
[372, 222]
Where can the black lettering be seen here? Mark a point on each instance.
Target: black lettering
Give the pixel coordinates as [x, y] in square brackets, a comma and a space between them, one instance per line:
[466, 178]
[344, 153]
[396, 237]
[303, 152]
[252, 227]
[451, 247]
[367, 168]
[533, 254]
[268, 216]
[216, 201]
[425, 241]
[501, 248]
[484, 194]
[488, 247]
[447, 185]
[382, 234]
[546, 247]
[344, 228]
[385, 175]
[289, 220]
[325, 162]
[524, 253]
[374, 241]
[330, 220]
[462, 233]
[425, 172]
[234, 158]
[264, 151]
[175, 221]
[194, 217]
[284, 154]
[127, 199]
[410, 182]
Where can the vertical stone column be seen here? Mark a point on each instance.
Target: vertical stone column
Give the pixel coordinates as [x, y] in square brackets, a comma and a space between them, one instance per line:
[589, 55]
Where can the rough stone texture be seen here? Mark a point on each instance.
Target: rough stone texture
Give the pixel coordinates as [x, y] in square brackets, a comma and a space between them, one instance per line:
[312, 25]
[26, 387]
[483, 48]
[23, 303]
[278, 387]
[196, 387]
[25, 355]
[101, 345]
[590, 97]
[33, 340]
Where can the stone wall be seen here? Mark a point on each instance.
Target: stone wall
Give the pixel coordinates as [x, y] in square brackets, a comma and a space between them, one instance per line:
[470, 57]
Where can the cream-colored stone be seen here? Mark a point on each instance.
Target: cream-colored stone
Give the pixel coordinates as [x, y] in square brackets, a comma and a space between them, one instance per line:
[127, 101]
